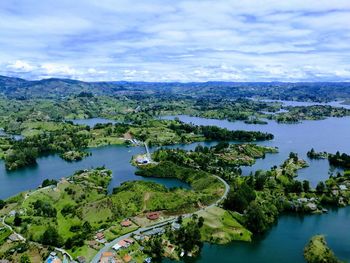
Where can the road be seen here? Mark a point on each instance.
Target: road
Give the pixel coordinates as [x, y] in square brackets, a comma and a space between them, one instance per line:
[9, 227]
[148, 153]
[108, 246]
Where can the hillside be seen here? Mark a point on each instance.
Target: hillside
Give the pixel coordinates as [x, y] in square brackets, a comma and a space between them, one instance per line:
[58, 88]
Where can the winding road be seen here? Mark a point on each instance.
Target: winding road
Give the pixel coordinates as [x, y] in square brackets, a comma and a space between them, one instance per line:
[108, 246]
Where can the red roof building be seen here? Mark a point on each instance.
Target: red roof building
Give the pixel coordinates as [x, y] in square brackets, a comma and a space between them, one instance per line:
[126, 223]
[153, 215]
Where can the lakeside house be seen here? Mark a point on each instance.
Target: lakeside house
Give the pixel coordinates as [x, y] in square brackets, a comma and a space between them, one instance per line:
[142, 160]
[153, 215]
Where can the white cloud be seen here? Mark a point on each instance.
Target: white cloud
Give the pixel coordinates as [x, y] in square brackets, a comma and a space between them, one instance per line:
[185, 40]
[20, 66]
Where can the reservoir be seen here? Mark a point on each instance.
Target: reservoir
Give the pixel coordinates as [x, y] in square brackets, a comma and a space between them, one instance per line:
[285, 241]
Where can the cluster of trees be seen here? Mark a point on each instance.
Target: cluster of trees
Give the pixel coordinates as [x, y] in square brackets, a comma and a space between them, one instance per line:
[24, 152]
[220, 134]
[82, 233]
[239, 198]
[312, 154]
[51, 237]
[44, 208]
[2, 204]
[188, 236]
[314, 112]
[339, 160]
[48, 182]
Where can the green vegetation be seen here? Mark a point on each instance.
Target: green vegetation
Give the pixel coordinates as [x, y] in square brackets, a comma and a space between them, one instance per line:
[222, 226]
[317, 251]
[223, 159]
[72, 210]
[315, 112]
[341, 160]
[207, 187]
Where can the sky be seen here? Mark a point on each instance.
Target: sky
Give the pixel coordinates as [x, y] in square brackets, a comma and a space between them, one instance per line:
[176, 40]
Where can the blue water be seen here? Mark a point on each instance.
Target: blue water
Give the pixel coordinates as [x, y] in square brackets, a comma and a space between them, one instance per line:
[285, 242]
[331, 135]
[116, 158]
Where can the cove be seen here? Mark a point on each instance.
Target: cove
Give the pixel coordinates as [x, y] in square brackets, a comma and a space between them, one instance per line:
[116, 158]
[331, 135]
[286, 240]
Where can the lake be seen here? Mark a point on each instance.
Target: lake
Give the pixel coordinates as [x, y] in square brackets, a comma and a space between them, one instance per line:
[329, 135]
[92, 121]
[285, 241]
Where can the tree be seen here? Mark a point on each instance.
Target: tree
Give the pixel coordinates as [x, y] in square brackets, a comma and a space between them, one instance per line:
[200, 221]
[306, 186]
[2, 204]
[155, 249]
[51, 237]
[17, 221]
[238, 200]
[320, 188]
[48, 182]
[25, 259]
[257, 221]
[179, 220]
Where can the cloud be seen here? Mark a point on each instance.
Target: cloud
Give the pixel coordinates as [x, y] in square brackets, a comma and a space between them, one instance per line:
[20, 66]
[184, 40]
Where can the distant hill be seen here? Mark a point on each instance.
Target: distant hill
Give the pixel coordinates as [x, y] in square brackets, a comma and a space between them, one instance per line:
[59, 88]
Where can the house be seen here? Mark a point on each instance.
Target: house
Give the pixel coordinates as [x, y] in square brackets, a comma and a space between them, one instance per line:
[153, 215]
[155, 231]
[126, 223]
[127, 258]
[107, 257]
[100, 236]
[123, 244]
[14, 238]
[148, 260]
[142, 160]
[311, 206]
[116, 247]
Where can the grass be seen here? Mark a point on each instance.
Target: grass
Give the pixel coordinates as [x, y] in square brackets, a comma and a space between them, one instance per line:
[117, 230]
[221, 227]
[85, 250]
[4, 234]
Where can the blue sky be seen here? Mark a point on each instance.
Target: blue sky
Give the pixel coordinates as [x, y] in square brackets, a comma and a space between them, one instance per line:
[174, 40]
